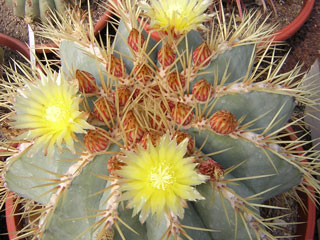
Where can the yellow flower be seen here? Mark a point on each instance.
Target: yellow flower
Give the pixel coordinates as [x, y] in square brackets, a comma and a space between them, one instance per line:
[177, 16]
[49, 109]
[159, 179]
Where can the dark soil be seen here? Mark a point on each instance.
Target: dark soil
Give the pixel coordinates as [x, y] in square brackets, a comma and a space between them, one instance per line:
[304, 46]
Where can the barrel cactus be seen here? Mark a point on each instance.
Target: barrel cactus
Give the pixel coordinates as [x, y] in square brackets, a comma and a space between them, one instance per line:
[32, 10]
[132, 137]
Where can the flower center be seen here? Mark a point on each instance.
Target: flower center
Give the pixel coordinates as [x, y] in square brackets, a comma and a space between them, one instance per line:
[54, 114]
[58, 116]
[161, 177]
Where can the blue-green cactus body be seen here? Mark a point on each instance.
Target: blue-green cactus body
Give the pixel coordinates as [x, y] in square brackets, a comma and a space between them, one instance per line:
[262, 165]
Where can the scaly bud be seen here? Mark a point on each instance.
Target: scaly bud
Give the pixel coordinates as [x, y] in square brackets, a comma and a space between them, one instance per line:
[223, 122]
[115, 66]
[182, 114]
[114, 163]
[180, 136]
[96, 140]
[153, 136]
[166, 55]
[103, 109]
[176, 81]
[123, 95]
[133, 131]
[202, 90]
[212, 169]
[143, 73]
[87, 82]
[201, 55]
[157, 122]
[135, 40]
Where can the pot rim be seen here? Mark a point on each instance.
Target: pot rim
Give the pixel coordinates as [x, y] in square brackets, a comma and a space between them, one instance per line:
[282, 34]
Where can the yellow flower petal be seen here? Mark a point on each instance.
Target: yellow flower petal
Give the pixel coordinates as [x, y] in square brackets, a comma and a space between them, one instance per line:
[177, 17]
[159, 179]
[49, 109]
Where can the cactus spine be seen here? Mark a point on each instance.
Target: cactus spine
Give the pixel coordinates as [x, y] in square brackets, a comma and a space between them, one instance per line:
[36, 9]
[153, 135]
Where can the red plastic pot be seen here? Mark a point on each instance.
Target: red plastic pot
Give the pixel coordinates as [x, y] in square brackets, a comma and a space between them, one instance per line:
[304, 230]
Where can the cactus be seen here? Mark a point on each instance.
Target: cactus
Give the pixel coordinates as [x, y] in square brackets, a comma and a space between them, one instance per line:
[134, 138]
[36, 9]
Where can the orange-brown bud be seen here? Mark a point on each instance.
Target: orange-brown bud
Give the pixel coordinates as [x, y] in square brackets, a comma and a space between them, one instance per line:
[180, 136]
[143, 73]
[202, 90]
[87, 82]
[201, 55]
[223, 122]
[114, 163]
[103, 108]
[135, 40]
[176, 81]
[166, 56]
[153, 136]
[123, 95]
[96, 140]
[115, 67]
[212, 169]
[133, 131]
[182, 114]
[157, 122]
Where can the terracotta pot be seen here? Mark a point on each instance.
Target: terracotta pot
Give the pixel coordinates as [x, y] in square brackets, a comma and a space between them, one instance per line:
[281, 35]
[297, 23]
[305, 230]
[308, 220]
[21, 47]
[40, 48]
[14, 44]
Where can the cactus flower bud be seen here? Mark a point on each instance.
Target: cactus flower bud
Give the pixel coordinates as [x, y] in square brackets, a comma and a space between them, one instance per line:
[166, 55]
[143, 73]
[135, 40]
[182, 114]
[201, 55]
[123, 95]
[134, 133]
[96, 140]
[223, 122]
[212, 169]
[180, 136]
[87, 82]
[115, 66]
[153, 136]
[104, 109]
[202, 90]
[176, 81]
